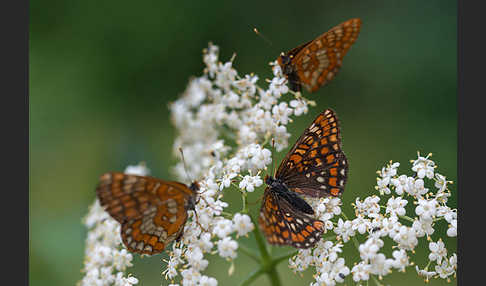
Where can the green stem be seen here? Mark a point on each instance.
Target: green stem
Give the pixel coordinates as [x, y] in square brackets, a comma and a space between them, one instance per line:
[281, 258]
[273, 275]
[254, 275]
[268, 265]
[260, 242]
[244, 209]
[376, 280]
[248, 252]
[406, 218]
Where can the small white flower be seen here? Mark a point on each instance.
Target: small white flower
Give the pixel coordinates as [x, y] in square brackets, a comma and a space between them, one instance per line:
[425, 273]
[122, 259]
[423, 227]
[249, 183]
[223, 228]
[195, 259]
[207, 281]
[247, 84]
[281, 113]
[361, 272]
[225, 76]
[444, 270]
[406, 238]
[361, 224]
[380, 265]
[125, 281]
[426, 209]
[369, 249]
[278, 86]
[227, 248]
[190, 276]
[437, 251]
[344, 229]
[242, 224]
[417, 188]
[226, 180]
[300, 106]
[400, 259]
[452, 230]
[402, 184]
[396, 206]
[423, 167]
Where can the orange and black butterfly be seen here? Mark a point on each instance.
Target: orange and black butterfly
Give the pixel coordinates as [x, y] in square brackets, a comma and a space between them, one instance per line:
[317, 62]
[316, 167]
[152, 212]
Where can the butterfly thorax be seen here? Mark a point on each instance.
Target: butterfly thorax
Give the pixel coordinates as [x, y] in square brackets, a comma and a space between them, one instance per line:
[278, 188]
[290, 72]
[191, 202]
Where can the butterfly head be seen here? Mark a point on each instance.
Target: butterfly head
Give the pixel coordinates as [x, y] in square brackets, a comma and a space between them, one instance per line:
[284, 60]
[194, 187]
[270, 181]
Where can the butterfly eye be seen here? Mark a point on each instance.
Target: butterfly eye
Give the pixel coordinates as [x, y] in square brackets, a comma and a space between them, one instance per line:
[285, 59]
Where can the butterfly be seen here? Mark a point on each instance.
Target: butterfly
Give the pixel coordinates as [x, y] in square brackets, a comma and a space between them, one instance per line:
[316, 167]
[317, 62]
[152, 212]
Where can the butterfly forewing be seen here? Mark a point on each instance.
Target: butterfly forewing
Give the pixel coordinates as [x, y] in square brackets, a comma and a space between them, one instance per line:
[283, 224]
[317, 62]
[316, 165]
[152, 211]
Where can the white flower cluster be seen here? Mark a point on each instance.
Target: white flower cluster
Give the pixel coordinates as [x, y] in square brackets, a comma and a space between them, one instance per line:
[224, 123]
[377, 222]
[105, 261]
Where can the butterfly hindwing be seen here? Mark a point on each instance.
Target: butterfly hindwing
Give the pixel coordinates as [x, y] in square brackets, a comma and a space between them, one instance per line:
[284, 224]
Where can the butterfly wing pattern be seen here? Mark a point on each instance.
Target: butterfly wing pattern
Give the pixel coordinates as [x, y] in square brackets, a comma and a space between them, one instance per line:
[317, 62]
[315, 166]
[152, 212]
[283, 223]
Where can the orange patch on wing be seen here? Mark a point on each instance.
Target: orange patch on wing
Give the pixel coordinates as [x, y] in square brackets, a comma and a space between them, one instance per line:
[153, 240]
[293, 236]
[296, 158]
[333, 182]
[318, 224]
[333, 171]
[330, 158]
[303, 146]
[285, 234]
[335, 191]
[324, 150]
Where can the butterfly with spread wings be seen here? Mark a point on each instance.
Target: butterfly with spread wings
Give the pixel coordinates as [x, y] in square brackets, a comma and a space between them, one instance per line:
[152, 212]
[317, 62]
[315, 167]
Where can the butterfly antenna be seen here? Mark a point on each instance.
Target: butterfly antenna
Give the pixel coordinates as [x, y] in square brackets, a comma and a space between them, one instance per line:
[262, 36]
[185, 166]
[274, 167]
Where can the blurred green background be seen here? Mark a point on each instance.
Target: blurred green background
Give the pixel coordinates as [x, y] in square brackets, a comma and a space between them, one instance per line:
[102, 74]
